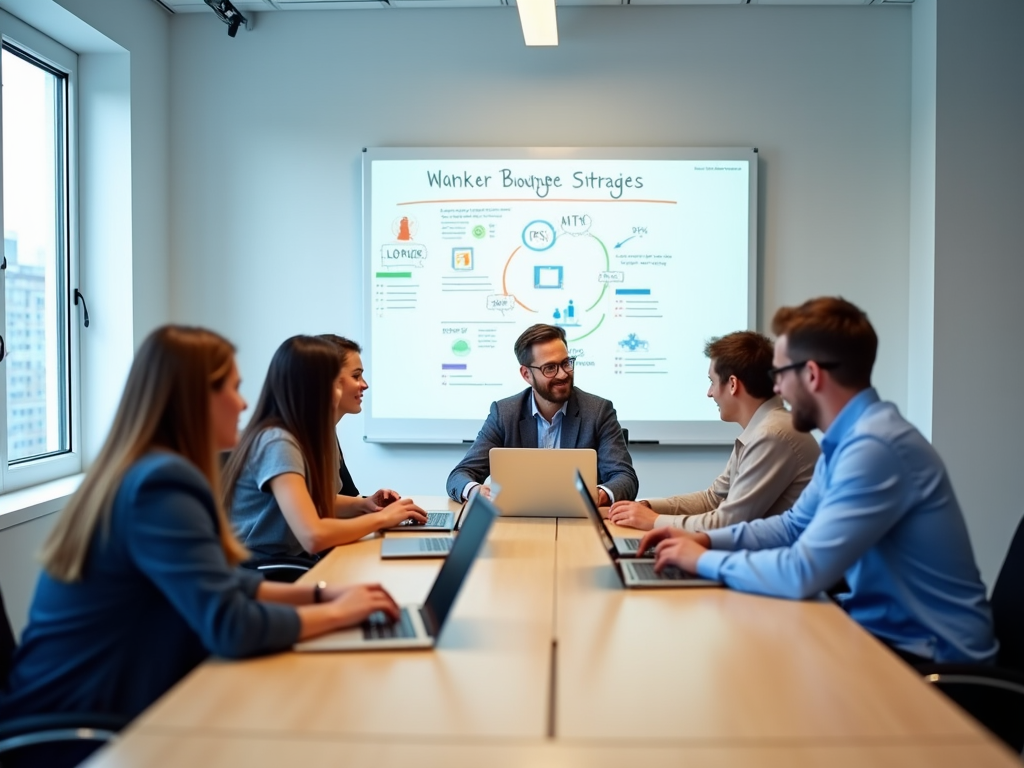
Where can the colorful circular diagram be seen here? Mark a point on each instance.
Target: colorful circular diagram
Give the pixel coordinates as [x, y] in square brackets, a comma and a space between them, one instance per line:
[479, 231]
[539, 235]
[460, 347]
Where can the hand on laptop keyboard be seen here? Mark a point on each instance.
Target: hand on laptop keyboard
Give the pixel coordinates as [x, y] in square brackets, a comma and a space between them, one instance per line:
[401, 512]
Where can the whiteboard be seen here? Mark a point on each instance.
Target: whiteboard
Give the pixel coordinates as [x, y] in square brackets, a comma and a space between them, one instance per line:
[642, 255]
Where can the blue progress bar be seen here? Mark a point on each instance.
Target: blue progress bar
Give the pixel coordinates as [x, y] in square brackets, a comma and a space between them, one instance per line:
[632, 291]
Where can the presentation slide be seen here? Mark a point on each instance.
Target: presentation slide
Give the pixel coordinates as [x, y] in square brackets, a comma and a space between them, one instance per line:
[640, 255]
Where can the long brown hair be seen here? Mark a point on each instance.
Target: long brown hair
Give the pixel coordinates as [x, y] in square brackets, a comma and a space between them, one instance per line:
[298, 397]
[165, 404]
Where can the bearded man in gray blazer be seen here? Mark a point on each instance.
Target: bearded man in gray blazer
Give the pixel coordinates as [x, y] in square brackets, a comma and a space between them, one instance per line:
[551, 413]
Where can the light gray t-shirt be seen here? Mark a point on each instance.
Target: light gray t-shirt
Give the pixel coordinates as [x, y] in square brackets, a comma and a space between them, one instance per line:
[258, 520]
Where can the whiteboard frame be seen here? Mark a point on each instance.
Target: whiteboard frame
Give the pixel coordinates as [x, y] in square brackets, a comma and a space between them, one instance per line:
[456, 431]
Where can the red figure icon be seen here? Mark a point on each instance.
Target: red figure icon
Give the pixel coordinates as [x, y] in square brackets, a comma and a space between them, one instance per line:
[403, 229]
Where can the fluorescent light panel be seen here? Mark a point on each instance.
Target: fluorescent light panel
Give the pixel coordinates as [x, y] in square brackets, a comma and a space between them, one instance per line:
[538, 19]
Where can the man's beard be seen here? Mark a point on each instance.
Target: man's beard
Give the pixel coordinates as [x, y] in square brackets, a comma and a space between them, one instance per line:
[561, 395]
[804, 412]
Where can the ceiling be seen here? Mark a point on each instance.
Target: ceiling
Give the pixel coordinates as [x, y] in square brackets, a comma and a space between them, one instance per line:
[246, 6]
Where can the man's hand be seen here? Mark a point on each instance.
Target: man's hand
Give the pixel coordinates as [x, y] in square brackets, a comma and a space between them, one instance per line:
[674, 547]
[633, 514]
[484, 489]
[602, 498]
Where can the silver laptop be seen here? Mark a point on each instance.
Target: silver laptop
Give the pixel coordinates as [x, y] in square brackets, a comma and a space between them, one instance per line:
[418, 547]
[537, 482]
[419, 626]
[437, 520]
[636, 572]
[415, 547]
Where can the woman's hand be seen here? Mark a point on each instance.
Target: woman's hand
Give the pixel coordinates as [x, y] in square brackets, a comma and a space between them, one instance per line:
[384, 496]
[353, 604]
[397, 512]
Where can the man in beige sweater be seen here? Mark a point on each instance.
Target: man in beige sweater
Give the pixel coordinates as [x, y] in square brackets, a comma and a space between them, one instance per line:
[771, 462]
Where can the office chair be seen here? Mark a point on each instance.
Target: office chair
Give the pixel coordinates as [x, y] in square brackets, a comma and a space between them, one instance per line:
[62, 738]
[995, 695]
[284, 569]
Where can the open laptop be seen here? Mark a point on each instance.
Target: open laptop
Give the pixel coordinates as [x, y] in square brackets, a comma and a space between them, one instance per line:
[419, 626]
[537, 482]
[437, 520]
[419, 547]
[636, 572]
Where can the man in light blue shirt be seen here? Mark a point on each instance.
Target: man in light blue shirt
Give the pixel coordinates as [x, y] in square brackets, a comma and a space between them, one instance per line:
[879, 510]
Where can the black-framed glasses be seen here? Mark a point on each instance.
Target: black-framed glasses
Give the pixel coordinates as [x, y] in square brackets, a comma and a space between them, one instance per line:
[548, 370]
[774, 373]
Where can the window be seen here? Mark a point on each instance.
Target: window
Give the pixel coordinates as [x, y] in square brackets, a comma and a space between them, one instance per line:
[39, 381]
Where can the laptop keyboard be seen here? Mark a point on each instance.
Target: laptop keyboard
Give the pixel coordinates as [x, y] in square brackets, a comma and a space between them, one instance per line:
[631, 545]
[378, 626]
[436, 519]
[437, 544]
[645, 572]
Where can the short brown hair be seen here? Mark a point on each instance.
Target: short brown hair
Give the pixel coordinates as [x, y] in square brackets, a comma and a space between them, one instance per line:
[747, 355]
[830, 329]
[535, 334]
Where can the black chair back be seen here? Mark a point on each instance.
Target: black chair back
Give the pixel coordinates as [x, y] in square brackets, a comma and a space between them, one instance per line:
[7, 644]
[1008, 605]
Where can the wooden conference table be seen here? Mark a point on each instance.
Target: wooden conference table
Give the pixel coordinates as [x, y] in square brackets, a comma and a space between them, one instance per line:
[547, 661]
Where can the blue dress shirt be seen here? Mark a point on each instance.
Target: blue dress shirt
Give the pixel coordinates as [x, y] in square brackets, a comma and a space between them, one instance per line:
[880, 509]
[549, 433]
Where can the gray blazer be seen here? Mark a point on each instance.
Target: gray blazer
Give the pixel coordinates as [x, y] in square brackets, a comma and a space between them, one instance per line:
[589, 422]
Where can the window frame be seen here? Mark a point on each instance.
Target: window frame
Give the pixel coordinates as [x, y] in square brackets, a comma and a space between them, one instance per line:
[33, 471]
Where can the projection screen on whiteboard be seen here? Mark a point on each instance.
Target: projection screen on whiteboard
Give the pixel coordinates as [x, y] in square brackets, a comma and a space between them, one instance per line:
[641, 255]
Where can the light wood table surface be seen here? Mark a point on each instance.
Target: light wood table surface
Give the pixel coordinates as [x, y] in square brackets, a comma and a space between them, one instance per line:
[700, 664]
[489, 675]
[154, 749]
[547, 661]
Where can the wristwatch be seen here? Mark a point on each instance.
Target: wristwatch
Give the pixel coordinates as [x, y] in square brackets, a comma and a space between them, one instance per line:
[318, 590]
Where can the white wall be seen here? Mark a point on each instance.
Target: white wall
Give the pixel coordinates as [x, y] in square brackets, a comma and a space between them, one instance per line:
[979, 264]
[267, 131]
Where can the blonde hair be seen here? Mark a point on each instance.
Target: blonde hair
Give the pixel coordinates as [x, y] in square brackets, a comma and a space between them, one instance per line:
[166, 404]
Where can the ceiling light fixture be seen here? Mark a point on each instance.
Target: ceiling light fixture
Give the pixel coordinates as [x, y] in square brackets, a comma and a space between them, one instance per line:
[540, 27]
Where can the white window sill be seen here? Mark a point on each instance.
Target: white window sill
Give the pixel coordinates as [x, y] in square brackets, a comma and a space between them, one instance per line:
[27, 504]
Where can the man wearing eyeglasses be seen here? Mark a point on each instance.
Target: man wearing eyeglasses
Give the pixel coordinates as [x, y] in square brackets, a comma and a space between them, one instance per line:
[551, 413]
[879, 510]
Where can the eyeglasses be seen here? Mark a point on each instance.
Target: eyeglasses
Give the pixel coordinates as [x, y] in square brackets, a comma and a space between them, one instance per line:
[550, 369]
[774, 373]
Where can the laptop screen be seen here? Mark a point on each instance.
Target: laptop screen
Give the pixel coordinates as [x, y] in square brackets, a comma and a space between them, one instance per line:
[595, 517]
[476, 522]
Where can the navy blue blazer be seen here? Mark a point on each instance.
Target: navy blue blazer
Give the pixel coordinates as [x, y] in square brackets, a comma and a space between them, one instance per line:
[156, 597]
[589, 422]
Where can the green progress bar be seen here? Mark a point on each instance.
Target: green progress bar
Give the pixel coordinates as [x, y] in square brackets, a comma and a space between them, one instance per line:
[394, 274]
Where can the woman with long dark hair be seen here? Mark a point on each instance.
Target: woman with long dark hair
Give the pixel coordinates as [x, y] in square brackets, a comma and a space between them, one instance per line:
[281, 483]
[139, 583]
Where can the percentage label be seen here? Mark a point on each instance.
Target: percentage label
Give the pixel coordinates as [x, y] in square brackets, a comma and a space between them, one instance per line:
[639, 230]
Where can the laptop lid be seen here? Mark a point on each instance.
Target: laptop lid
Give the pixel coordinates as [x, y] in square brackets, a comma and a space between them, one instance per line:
[595, 517]
[478, 516]
[538, 482]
